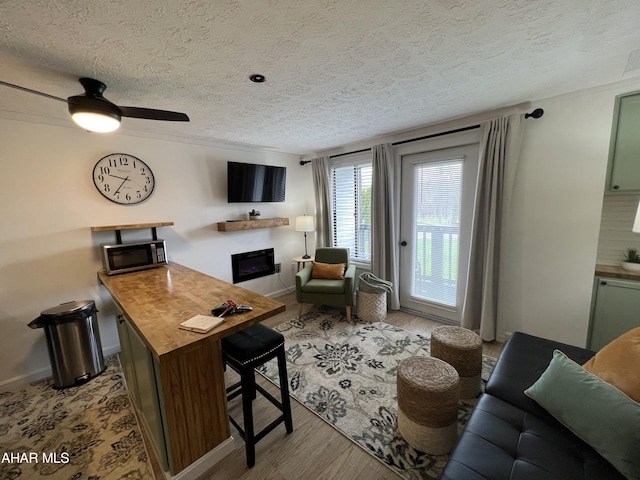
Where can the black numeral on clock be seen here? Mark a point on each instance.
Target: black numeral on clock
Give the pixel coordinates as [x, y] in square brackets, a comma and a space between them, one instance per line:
[119, 162]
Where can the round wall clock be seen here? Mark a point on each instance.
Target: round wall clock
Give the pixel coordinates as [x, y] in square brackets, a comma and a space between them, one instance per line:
[123, 179]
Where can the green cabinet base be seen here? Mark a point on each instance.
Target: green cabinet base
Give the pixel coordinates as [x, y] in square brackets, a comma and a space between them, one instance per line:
[615, 310]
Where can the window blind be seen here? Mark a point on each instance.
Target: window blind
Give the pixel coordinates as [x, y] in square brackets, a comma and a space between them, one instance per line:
[438, 196]
[351, 205]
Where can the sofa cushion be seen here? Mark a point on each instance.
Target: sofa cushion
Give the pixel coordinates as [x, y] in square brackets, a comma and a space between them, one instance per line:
[503, 442]
[593, 409]
[617, 363]
[329, 271]
[524, 358]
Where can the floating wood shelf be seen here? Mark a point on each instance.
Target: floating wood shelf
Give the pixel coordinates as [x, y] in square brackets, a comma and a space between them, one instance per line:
[132, 226]
[252, 224]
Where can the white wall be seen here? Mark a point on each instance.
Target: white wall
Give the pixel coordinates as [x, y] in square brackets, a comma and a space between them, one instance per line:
[555, 212]
[555, 216]
[49, 255]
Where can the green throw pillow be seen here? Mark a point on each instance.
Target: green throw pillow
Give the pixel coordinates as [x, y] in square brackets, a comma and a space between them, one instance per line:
[597, 412]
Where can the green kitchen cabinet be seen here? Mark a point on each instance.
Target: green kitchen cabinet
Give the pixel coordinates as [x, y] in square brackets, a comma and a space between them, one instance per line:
[126, 360]
[623, 173]
[140, 367]
[615, 310]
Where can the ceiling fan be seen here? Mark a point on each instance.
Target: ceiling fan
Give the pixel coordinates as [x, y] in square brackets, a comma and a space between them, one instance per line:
[95, 113]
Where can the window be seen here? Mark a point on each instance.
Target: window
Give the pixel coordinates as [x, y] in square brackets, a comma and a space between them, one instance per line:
[438, 197]
[351, 205]
[438, 194]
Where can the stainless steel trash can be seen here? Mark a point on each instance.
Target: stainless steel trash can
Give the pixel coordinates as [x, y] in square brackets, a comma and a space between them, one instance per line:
[73, 340]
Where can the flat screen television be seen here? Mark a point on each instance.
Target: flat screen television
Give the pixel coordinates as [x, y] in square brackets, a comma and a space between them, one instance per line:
[248, 182]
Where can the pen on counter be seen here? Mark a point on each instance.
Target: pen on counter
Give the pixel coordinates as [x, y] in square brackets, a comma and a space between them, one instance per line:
[231, 306]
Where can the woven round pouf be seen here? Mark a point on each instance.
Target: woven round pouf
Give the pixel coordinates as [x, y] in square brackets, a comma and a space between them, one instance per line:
[428, 404]
[462, 349]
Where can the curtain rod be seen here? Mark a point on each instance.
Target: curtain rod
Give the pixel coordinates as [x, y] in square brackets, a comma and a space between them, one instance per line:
[537, 113]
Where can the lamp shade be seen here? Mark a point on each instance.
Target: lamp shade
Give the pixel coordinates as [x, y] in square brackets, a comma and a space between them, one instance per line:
[304, 224]
[636, 222]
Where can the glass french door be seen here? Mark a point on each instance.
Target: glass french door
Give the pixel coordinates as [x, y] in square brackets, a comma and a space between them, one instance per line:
[438, 190]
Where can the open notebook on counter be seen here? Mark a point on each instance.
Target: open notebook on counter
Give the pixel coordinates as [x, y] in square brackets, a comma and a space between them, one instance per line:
[201, 323]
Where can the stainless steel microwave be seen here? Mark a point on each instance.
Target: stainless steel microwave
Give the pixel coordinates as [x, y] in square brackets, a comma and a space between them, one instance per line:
[131, 257]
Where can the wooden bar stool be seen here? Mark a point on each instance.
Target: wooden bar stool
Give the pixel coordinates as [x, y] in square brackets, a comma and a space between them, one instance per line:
[243, 352]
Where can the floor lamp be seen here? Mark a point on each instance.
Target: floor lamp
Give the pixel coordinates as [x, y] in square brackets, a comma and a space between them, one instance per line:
[305, 224]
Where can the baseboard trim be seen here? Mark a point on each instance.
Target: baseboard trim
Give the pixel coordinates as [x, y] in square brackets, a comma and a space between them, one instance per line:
[430, 316]
[278, 293]
[201, 466]
[22, 380]
[42, 373]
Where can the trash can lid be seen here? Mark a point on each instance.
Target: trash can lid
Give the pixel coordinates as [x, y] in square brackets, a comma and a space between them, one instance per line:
[68, 307]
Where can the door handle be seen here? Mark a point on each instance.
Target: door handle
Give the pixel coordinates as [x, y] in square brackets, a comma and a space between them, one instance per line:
[403, 243]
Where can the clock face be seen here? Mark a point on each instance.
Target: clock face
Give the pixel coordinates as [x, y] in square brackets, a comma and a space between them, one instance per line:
[123, 179]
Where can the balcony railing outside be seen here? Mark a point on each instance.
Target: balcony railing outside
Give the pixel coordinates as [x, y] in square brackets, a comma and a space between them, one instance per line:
[436, 260]
[436, 263]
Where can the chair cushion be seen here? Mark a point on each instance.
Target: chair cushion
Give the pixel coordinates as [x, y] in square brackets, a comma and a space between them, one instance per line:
[617, 363]
[329, 271]
[254, 344]
[332, 255]
[319, 285]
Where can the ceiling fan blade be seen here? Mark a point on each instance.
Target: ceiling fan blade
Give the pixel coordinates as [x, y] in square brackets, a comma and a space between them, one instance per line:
[152, 114]
[28, 90]
[93, 101]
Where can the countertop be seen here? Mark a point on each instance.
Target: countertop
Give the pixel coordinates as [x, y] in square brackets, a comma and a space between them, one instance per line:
[159, 299]
[613, 271]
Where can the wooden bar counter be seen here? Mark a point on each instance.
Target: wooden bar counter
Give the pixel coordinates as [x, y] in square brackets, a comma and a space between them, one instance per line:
[187, 366]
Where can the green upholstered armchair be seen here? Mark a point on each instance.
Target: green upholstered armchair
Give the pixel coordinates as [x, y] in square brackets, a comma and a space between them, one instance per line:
[321, 291]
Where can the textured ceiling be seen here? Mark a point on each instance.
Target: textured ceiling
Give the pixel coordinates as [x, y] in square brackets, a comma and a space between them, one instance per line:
[338, 71]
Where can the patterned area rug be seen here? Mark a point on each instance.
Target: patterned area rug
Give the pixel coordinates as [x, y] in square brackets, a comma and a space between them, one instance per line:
[346, 374]
[88, 432]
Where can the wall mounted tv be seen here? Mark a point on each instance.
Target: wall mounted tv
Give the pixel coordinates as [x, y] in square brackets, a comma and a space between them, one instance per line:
[248, 182]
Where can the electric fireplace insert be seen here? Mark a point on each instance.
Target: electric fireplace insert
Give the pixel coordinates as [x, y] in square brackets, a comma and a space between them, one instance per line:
[249, 265]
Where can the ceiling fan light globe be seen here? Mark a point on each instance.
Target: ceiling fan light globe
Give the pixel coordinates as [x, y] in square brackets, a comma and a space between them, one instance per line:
[96, 122]
[94, 112]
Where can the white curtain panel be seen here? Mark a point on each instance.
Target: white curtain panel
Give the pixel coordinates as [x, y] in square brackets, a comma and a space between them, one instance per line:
[385, 219]
[321, 188]
[498, 164]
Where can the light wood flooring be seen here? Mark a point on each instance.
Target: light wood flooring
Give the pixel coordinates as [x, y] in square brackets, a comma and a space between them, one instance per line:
[314, 450]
